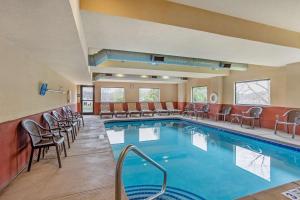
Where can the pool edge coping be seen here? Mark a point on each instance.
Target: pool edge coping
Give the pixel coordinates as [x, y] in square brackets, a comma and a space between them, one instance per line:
[232, 131]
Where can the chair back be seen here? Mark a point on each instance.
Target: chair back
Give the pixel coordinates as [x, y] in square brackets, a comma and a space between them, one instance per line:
[255, 112]
[69, 109]
[131, 106]
[105, 107]
[170, 105]
[56, 115]
[205, 108]
[226, 110]
[144, 106]
[66, 112]
[118, 107]
[50, 120]
[292, 115]
[190, 107]
[33, 129]
[157, 105]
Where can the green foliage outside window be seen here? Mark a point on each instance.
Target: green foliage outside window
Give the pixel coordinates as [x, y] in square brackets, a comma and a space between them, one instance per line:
[149, 95]
[199, 94]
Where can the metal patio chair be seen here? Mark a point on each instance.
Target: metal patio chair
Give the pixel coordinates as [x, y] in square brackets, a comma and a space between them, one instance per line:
[203, 112]
[253, 114]
[189, 110]
[289, 118]
[41, 138]
[226, 110]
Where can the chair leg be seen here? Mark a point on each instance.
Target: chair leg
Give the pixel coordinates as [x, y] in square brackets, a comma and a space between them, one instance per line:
[67, 134]
[30, 159]
[43, 155]
[275, 128]
[64, 147]
[39, 155]
[58, 156]
[82, 120]
[73, 135]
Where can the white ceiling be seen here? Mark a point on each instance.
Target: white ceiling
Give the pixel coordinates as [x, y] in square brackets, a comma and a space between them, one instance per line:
[46, 30]
[280, 13]
[120, 33]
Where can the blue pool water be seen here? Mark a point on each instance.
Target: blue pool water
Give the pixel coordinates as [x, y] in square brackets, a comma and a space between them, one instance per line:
[202, 162]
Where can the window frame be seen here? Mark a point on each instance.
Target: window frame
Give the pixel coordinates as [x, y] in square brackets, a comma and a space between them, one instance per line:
[151, 89]
[255, 80]
[192, 99]
[112, 101]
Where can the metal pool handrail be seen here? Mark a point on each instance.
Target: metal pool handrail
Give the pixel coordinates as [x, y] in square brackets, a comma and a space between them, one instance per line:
[119, 167]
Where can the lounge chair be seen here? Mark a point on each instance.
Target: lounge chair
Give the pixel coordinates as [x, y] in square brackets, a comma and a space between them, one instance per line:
[226, 110]
[189, 109]
[119, 110]
[105, 110]
[159, 109]
[41, 138]
[253, 114]
[289, 118]
[145, 109]
[171, 109]
[132, 109]
[203, 112]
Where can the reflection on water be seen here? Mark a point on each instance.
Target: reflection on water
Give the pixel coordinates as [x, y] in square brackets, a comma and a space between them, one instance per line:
[199, 140]
[149, 134]
[253, 162]
[116, 136]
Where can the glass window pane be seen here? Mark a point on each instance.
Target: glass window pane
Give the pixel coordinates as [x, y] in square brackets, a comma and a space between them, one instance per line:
[87, 93]
[112, 95]
[253, 92]
[87, 106]
[199, 94]
[149, 94]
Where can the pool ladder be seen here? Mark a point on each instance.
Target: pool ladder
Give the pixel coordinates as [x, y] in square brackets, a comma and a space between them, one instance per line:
[119, 167]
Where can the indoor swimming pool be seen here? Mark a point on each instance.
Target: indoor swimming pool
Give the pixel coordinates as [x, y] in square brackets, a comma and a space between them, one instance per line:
[202, 162]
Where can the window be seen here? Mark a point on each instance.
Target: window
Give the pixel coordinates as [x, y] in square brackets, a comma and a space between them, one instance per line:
[199, 94]
[253, 92]
[112, 95]
[149, 94]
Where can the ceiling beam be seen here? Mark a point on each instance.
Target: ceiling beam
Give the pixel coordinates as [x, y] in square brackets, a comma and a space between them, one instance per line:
[170, 13]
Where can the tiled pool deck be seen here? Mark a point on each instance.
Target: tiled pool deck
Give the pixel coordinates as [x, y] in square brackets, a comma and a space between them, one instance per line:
[88, 171]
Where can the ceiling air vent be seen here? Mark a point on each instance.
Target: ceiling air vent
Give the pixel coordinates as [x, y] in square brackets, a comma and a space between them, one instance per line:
[158, 58]
[153, 76]
[108, 74]
[225, 65]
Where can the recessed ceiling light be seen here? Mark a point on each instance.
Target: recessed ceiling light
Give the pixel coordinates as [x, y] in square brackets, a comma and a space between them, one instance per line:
[119, 75]
[144, 76]
[165, 77]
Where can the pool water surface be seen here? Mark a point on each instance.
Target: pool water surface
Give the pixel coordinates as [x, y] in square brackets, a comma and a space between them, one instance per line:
[202, 162]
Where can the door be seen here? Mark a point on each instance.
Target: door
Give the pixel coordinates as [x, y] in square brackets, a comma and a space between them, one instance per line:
[87, 99]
